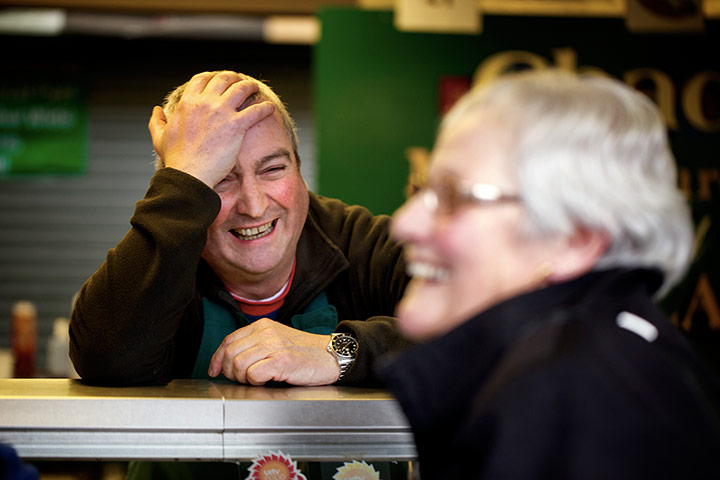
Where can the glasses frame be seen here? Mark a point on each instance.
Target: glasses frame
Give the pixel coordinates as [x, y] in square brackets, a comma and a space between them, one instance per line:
[456, 195]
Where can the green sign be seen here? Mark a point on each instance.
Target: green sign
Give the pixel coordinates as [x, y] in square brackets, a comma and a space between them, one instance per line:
[42, 126]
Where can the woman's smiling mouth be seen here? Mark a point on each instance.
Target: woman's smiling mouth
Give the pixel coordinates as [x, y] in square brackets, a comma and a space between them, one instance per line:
[428, 272]
[254, 233]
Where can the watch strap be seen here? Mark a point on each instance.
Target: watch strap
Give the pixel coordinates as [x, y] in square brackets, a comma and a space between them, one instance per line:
[345, 361]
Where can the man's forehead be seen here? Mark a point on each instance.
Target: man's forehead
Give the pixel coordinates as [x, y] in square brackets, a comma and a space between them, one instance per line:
[272, 123]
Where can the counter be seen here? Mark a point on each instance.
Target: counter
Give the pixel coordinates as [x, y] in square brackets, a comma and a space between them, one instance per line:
[200, 420]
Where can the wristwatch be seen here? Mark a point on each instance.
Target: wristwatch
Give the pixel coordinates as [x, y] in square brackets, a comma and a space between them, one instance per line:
[345, 348]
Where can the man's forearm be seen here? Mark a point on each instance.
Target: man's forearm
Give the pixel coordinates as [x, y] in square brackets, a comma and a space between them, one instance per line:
[127, 313]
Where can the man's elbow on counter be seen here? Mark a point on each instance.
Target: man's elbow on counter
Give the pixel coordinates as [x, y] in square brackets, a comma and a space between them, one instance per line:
[112, 368]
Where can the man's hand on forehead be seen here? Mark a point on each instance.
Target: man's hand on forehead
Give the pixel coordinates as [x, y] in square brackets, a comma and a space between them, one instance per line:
[226, 87]
[204, 134]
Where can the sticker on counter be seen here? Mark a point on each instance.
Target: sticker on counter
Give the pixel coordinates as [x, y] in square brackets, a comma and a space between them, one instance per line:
[274, 466]
[356, 471]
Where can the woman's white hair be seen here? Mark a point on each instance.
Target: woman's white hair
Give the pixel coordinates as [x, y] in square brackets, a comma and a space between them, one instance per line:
[591, 153]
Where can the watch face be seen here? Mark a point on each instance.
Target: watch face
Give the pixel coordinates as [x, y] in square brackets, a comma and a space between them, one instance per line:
[345, 345]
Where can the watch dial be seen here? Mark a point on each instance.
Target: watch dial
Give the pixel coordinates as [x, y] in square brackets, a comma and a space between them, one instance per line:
[345, 346]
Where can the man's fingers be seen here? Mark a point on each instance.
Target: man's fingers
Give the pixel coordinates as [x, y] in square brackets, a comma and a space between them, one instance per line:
[156, 125]
[240, 94]
[233, 352]
[219, 83]
[198, 83]
[216, 362]
[261, 372]
[237, 362]
[256, 113]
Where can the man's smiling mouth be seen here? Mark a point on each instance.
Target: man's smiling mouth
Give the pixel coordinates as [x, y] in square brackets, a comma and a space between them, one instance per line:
[255, 232]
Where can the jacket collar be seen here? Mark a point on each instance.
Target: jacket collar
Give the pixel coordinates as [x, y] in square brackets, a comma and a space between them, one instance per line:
[319, 262]
[434, 380]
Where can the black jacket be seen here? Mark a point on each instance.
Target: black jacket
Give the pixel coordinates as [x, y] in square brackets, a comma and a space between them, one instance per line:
[548, 385]
[139, 318]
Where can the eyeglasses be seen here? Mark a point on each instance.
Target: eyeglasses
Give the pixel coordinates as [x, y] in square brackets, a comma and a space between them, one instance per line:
[448, 195]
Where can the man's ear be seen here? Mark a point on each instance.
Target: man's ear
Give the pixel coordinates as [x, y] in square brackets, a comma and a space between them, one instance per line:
[578, 254]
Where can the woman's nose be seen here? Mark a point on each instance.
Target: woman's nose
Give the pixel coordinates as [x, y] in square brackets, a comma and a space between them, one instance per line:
[414, 220]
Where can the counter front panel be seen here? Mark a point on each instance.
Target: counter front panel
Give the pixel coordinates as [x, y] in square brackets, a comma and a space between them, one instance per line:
[200, 420]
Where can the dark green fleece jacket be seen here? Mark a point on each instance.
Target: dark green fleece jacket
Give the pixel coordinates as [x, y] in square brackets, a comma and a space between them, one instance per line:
[139, 318]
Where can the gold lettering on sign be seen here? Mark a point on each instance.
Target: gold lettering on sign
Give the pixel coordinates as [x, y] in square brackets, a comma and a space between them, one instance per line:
[706, 177]
[662, 93]
[692, 100]
[662, 90]
[684, 181]
[503, 62]
[419, 160]
[707, 182]
[703, 299]
[566, 59]
[701, 231]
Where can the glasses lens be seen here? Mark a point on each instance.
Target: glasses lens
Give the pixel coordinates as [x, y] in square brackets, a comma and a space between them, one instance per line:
[447, 196]
[429, 199]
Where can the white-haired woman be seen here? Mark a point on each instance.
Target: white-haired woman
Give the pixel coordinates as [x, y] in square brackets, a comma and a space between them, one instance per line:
[550, 223]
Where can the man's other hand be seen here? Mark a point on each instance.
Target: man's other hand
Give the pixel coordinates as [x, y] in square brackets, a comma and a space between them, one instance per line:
[270, 351]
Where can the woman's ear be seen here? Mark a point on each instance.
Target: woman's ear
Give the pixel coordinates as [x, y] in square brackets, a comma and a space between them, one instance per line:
[578, 254]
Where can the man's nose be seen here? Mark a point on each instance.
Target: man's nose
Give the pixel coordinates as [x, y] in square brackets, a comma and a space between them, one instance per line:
[252, 200]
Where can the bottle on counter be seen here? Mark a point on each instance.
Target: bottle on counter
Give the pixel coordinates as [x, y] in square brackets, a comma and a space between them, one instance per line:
[24, 338]
[58, 350]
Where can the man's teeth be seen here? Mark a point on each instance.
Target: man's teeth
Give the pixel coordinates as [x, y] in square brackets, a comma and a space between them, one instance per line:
[254, 232]
[427, 272]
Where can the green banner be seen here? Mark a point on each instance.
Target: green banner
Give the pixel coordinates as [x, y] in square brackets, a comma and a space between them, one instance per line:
[43, 125]
[380, 94]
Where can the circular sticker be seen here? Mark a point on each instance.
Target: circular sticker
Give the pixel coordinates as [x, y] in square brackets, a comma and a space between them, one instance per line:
[274, 466]
[356, 471]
